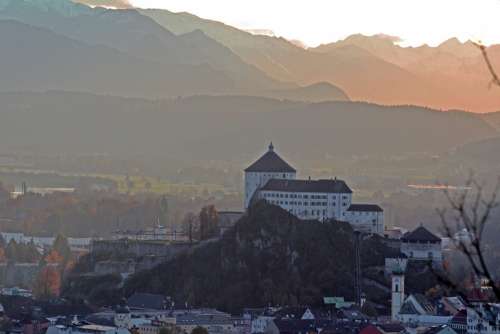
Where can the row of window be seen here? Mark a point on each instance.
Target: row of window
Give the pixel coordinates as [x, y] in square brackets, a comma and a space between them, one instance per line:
[286, 195]
[307, 213]
[294, 203]
[362, 213]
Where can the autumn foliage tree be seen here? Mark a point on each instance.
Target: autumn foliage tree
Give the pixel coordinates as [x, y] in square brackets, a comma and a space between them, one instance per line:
[48, 283]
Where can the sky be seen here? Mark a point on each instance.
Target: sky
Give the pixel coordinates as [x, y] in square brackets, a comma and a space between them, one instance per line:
[321, 21]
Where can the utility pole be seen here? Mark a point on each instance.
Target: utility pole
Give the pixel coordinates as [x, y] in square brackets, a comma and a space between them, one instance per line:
[357, 268]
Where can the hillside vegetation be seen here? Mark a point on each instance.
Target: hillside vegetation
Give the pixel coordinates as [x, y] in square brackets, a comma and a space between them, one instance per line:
[222, 128]
[269, 258]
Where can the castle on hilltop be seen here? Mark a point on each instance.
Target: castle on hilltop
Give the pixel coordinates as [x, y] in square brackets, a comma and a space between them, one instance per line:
[271, 178]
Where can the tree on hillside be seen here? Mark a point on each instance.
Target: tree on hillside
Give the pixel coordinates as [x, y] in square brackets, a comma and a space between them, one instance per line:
[48, 283]
[61, 246]
[208, 222]
[4, 193]
[168, 330]
[199, 330]
[3, 258]
[24, 253]
[53, 257]
[163, 214]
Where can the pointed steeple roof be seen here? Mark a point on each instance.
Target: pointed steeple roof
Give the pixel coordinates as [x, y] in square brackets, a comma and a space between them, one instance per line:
[271, 162]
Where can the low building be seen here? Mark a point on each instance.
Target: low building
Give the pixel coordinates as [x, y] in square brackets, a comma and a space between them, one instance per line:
[366, 218]
[459, 322]
[85, 329]
[441, 329]
[227, 219]
[422, 245]
[417, 310]
[213, 324]
[483, 318]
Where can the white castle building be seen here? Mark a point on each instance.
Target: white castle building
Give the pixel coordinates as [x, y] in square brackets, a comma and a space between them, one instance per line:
[271, 178]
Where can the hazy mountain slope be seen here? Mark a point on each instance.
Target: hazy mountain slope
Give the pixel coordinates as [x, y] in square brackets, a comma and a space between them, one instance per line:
[385, 47]
[226, 128]
[456, 71]
[263, 51]
[37, 59]
[493, 119]
[438, 77]
[361, 75]
[319, 92]
[130, 32]
[134, 34]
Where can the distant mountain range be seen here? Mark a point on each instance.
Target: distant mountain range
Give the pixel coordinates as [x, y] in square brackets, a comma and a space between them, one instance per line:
[452, 75]
[62, 45]
[56, 44]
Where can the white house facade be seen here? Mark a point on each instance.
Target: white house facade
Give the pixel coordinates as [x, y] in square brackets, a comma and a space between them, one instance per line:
[368, 218]
[271, 178]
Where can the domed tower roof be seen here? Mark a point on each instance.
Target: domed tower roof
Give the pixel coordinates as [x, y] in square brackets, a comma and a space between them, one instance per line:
[270, 162]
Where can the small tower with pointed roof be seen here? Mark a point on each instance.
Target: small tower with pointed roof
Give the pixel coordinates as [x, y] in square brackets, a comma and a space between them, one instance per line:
[268, 166]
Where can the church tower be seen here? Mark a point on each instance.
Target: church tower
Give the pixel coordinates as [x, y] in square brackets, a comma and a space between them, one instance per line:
[269, 166]
[398, 291]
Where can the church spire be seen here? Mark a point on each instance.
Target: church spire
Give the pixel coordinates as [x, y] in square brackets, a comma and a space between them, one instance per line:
[271, 147]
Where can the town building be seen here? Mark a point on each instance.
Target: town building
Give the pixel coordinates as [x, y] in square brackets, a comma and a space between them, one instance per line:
[85, 329]
[459, 322]
[417, 310]
[272, 179]
[422, 245]
[483, 318]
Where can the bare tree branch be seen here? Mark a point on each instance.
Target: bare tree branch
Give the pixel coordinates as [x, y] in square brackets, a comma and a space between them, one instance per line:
[495, 78]
[472, 210]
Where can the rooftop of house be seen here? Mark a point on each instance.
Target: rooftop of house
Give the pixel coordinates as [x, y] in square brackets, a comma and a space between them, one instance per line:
[460, 318]
[420, 234]
[412, 303]
[270, 162]
[308, 186]
[290, 312]
[370, 329]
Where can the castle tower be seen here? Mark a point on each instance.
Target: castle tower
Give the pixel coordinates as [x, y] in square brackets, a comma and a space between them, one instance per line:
[269, 166]
[398, 291]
